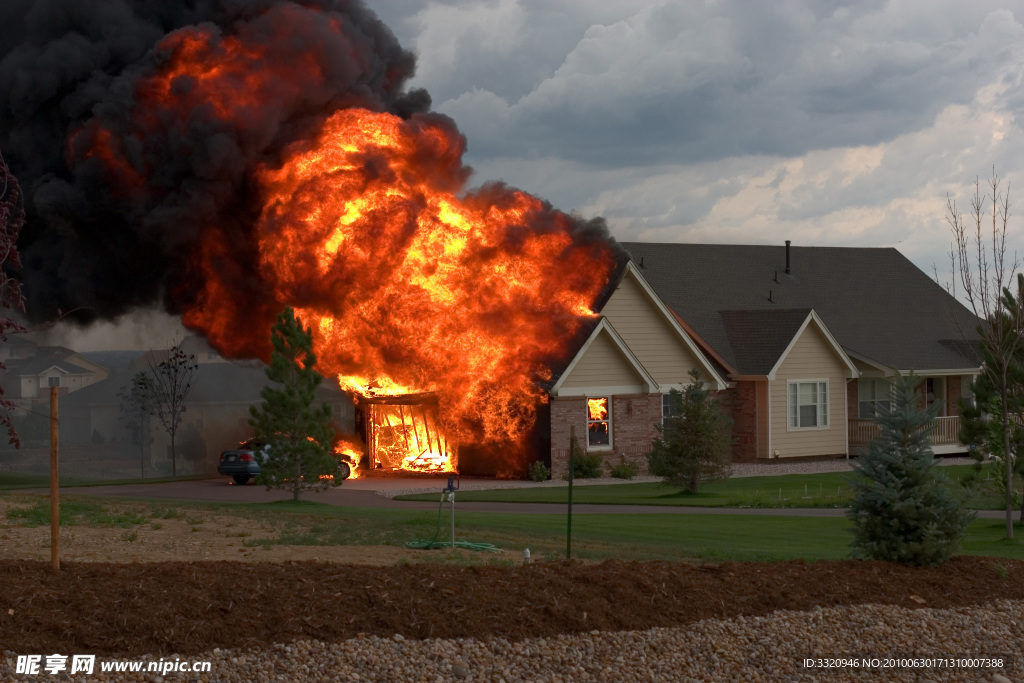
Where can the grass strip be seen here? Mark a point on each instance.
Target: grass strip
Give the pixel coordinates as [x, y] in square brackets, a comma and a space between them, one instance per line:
[824, 490]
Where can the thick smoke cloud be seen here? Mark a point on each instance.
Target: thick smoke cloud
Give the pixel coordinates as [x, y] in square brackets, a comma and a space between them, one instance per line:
[119, 191]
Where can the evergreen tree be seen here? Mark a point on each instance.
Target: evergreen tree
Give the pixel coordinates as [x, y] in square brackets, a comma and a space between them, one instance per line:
[290, 421]
[984, 423]
[903, 510]
[985, 275]
[694, 443]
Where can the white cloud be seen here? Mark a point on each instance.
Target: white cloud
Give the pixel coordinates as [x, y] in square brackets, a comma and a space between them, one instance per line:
[729, 121]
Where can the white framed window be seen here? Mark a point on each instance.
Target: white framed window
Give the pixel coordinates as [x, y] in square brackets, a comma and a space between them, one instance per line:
[874, 397]
[668, 407]
[53, 381]
[599, 422]
[808, 404]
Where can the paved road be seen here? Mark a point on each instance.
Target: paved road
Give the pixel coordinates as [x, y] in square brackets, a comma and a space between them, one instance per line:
[363, 493]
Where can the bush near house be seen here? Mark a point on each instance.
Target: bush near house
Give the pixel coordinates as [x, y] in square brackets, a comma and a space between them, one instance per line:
[694, 444]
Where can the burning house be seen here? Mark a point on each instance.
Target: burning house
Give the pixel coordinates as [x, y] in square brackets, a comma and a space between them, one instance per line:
[225, 160]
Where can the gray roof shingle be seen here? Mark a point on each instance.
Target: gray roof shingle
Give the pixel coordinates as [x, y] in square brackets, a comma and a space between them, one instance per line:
[874, 301]
[758, 338]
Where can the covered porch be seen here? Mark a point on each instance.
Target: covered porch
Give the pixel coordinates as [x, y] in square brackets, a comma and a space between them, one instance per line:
[944, 439]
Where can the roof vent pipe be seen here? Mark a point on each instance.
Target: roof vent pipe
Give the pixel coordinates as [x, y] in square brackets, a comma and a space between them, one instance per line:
[787, 256]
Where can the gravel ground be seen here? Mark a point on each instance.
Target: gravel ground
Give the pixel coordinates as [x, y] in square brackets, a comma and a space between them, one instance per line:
[769, 648]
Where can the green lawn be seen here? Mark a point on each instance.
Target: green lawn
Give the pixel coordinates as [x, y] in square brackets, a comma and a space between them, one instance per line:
[633, 536]
[17, 480]
[830, 489]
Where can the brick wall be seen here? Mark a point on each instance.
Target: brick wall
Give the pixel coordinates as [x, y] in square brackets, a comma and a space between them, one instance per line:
[954, 392]
[566, 412]
[740, 403]
[633, 419]
[852, 398]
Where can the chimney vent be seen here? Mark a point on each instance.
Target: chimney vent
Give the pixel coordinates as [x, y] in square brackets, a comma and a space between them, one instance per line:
[787, 256]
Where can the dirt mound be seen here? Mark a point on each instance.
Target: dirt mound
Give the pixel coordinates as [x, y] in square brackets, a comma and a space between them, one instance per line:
[190, 607]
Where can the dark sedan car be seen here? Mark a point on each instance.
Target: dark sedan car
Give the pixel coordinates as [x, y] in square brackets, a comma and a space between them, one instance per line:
[243, 463]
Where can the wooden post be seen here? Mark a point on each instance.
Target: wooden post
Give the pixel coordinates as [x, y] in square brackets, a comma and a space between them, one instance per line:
[426, 428]
[572, 453]
[405, 431]
[54, 483]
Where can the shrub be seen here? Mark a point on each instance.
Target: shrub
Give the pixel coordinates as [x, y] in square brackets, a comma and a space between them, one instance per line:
[587, 466]
[539, 471]
[903, 510]
[694, 444]
[625, 470]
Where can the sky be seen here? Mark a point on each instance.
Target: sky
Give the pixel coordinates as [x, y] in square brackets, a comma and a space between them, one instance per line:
[828, 124]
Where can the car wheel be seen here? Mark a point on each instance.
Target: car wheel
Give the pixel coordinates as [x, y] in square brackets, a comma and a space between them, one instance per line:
[344, 471]
[241, 479]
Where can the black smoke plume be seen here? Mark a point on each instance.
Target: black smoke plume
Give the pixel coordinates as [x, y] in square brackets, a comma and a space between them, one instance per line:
[125, 169]
[71, 70]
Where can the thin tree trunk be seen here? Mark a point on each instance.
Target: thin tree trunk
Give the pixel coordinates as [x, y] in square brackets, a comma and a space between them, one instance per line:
[1003, 390]
[174, 458]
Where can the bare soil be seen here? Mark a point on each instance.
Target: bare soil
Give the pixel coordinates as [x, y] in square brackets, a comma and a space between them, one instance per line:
[189, 586]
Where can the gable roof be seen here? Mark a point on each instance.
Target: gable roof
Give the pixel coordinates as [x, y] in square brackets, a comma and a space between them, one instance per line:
[875, 302]
[757, 339]
[46, 357]
[711, 369]
[604, 326]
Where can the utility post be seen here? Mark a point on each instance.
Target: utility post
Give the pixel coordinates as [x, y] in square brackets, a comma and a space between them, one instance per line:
[572, 455]
[54, 482]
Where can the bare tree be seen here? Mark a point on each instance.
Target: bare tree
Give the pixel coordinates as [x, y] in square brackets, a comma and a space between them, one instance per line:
[168, 386]
[12, 217]
[136, 412]
[985, 273]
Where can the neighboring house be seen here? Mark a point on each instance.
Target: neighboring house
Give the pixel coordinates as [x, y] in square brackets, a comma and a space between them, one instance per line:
[798, 342]
[216, 415]
[32, 370]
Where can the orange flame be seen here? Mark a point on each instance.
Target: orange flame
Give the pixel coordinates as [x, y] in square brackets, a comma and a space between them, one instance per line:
[410, 283]
[597, 408]
[351, 453]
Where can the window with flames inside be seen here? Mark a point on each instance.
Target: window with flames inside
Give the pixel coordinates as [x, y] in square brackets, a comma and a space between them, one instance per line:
[599, 433]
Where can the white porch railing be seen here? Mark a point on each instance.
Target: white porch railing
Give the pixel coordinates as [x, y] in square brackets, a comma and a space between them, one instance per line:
[947, 431]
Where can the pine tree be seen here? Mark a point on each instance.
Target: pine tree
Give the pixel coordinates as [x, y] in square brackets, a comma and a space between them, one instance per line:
[903, 510]
[290, 421]
[982, 422]
[694, 444]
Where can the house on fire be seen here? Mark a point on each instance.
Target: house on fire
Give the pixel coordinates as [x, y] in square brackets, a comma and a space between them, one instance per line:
[798, 342]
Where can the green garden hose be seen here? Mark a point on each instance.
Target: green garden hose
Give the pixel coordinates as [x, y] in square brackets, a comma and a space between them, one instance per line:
[433, 543]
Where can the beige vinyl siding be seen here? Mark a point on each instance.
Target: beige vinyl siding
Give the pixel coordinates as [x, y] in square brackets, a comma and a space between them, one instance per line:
[811, 358]
[649, 336]
[763, 417]
[603, 365]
